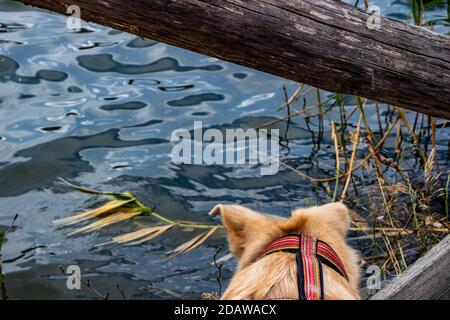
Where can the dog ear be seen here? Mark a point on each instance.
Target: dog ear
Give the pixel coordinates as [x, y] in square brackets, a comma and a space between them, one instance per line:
[235, 219]
[335, 215]
[339, 216]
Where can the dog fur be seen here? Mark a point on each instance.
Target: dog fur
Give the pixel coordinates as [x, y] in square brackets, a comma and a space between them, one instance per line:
[275, 276]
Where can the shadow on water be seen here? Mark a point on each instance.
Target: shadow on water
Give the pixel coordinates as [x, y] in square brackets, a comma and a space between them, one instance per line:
[58, 158]
[106, 63]
[8, 68]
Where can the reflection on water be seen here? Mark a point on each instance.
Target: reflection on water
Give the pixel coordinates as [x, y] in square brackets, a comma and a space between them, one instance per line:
[98, 107]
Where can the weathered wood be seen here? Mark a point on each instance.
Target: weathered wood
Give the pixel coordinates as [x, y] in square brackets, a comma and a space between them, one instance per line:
[428, 278]
[323, 43]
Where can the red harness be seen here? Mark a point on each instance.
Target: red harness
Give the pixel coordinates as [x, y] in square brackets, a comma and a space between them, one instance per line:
[310, 254]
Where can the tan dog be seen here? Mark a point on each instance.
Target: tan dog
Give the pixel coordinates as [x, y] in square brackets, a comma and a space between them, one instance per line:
[274, 276]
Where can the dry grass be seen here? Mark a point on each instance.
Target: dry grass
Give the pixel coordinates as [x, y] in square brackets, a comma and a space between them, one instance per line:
[403, 196]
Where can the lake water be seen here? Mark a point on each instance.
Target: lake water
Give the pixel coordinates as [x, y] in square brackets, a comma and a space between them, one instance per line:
[98, 107]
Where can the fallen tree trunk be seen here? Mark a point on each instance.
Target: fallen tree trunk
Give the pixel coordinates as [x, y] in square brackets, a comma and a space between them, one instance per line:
[428, 278]
[323, 43]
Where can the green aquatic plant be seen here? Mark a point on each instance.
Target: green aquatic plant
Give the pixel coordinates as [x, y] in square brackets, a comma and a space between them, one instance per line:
[418, 8]
[124, 206]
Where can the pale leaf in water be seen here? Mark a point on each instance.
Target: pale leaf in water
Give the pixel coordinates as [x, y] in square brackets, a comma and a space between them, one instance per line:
[142, 235]
[107, 207]
[81, 189]
[113, 218]
[191, 244]
[120, 196]
[223, 259]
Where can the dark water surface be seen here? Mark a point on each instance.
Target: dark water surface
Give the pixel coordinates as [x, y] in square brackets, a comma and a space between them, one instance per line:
[98, 107]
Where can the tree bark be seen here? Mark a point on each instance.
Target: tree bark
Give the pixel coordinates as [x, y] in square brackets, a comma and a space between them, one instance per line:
[323, 43]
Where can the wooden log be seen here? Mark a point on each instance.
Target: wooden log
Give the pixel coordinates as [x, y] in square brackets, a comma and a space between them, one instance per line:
[323, 43]
[428, 278]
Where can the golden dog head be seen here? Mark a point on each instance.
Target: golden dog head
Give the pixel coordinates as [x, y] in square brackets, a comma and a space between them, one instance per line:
[249, 232]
